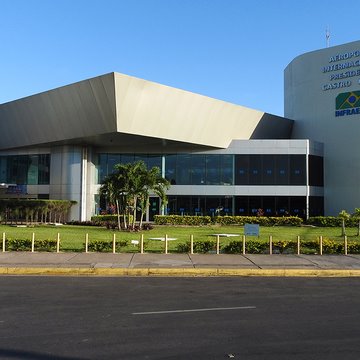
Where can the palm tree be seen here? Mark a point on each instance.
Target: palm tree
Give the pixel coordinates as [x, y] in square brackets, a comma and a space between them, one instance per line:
[152, 182]
[130, 186]
[111, 189]
[343, 215]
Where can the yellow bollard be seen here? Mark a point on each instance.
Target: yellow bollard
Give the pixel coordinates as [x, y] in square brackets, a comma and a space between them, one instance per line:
[321, 245]
[114, 244]
[270, 245]
[142, 244]
[58, 243]
[345, 245]
[87, 243]
[298, 245]
[33, 242]
[244, 245]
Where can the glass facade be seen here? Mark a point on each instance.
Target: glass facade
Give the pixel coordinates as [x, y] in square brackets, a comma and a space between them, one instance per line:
[200, 205]
[106, 162]
[191, 169]
[270, 170]
[271, 205]
[230, 169]
[244, 205]
[25, 169]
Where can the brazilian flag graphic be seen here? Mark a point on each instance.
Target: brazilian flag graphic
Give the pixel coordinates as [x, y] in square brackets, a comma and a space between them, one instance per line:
[348, 100]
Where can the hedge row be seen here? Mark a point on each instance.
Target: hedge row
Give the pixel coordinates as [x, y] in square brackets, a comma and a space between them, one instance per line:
[106, 246]
[226, 220]
[332, 221]
[253, 246]
[25, 245]
[281, 247]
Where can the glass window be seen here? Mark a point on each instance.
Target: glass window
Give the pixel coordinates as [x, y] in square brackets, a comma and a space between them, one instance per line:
[282, 206]
[298, 206]
[241, 169]
[154, 161]
[3, 169]
[255, 169]
[170, 168]
[33, 173]
[112, 160]
[268, 169]
[297, 170]
[227, 169]
[44, 169]
[213, 167]
[102, 167]
[316, 170]
[254, 205]
[198, 171]
[282, 170]
[242, 205]
[183, 169]
[126, 158]
[268, 205]
[316, 205]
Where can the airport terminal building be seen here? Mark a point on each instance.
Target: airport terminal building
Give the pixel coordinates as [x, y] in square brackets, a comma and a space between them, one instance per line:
[60, 144]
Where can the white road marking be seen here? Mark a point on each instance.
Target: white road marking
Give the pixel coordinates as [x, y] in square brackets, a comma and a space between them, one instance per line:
[194, 310]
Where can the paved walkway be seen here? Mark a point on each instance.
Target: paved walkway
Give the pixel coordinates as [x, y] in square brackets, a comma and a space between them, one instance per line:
[178, 264]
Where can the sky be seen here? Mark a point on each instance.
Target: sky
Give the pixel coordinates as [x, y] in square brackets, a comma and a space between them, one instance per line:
[232, 50]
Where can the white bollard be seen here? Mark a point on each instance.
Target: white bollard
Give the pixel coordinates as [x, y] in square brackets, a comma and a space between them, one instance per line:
[4, 240]
[217, 244]
[192, 244]
[244, 245]
[270, 245]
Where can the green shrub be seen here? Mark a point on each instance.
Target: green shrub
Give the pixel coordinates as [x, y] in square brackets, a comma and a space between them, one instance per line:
[227, 220]
[284, 246]
[233, 247]
[110, 217]
[25, 245]
[331, 221]
[182, 220]
[202, 247]
[353, 248]
[105, 246]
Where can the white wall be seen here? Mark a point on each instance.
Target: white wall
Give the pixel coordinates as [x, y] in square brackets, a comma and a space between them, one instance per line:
[310, 102]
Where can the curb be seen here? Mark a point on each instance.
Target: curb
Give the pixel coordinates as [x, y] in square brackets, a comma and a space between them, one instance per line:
[178, 272]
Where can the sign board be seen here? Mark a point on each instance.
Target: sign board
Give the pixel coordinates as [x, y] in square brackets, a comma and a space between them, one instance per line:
[252, 229]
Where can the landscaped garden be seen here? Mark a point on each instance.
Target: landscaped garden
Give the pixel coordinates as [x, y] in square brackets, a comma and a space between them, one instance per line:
[101, 238]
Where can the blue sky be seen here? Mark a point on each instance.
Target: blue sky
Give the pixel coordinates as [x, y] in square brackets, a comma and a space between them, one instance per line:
[233, 50]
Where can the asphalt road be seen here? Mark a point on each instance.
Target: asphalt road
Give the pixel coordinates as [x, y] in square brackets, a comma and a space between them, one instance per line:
[63, 318]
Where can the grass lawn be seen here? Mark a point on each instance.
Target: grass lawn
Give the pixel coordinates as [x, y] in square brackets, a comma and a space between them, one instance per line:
[73, 237]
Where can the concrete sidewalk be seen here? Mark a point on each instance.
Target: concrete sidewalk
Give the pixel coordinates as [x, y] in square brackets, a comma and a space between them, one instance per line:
[178, 264]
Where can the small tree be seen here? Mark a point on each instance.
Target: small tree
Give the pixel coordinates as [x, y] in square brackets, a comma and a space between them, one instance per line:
[130, 186]
[357, 216]
[343, 215]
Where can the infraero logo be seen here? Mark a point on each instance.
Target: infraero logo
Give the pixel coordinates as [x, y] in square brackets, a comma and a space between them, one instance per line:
[348, 103]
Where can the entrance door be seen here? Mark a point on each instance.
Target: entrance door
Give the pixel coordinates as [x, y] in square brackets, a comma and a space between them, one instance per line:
[154, 208]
